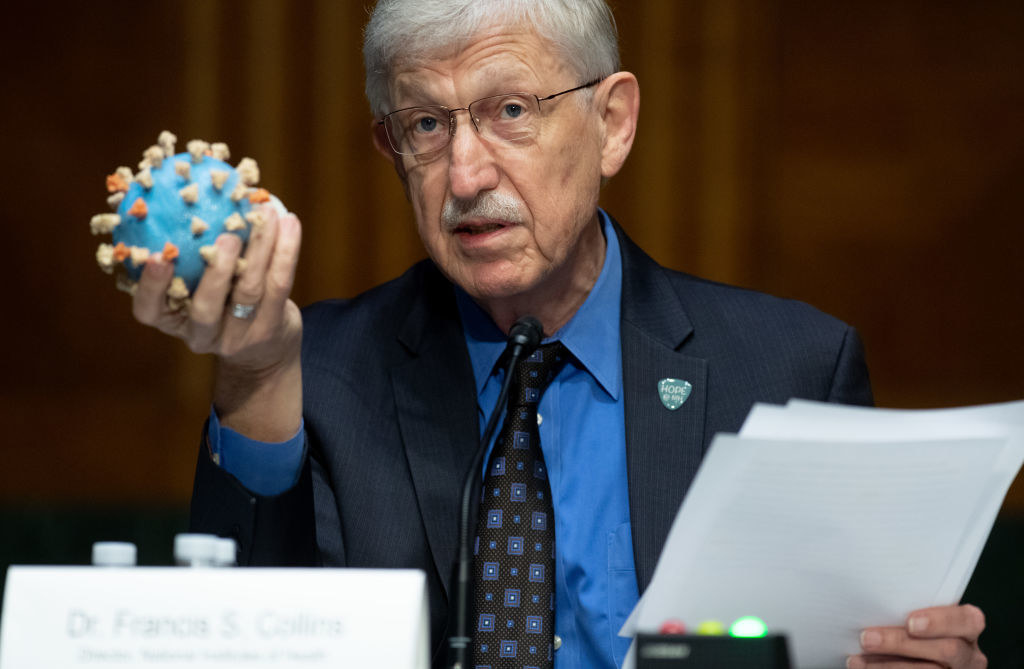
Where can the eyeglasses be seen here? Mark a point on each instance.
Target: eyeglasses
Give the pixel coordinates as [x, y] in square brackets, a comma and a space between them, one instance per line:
[510, 118]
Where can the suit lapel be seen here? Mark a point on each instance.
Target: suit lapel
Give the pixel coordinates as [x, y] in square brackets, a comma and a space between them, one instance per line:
[435, 399]
[436, 405]
[663, 446]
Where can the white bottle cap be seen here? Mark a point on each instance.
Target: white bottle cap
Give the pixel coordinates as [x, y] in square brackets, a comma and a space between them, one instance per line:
[197, 550]
[226, 553]
[113, 554]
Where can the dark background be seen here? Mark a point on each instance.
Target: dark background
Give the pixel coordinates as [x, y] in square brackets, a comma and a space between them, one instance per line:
[866, 157]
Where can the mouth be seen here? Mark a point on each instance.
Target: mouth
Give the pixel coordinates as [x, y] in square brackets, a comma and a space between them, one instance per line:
[475, 228]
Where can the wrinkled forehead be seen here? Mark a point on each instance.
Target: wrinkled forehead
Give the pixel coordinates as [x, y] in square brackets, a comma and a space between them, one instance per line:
[496, 55]
[426, 44]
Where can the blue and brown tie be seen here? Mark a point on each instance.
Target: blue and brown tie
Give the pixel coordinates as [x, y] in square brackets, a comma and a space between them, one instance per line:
[514, 562]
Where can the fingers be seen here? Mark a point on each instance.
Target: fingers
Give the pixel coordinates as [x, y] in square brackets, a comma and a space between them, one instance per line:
[888, 662]
[249, 286]
[265, 281]
[149, 303]
[207, 310]
[978, 661]
[941, 636]
[966, 622]
[281, 271]
[268, 275]
[902, 648]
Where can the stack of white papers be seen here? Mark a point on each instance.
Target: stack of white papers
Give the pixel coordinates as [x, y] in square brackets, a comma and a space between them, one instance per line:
[823, 519]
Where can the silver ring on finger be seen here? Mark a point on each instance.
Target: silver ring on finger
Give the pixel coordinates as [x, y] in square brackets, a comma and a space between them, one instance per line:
[243, 311]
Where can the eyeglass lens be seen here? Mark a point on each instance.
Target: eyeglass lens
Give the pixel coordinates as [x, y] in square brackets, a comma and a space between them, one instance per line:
[511, 117]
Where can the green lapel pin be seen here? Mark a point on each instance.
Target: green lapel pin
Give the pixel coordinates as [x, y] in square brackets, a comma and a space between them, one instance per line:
[673, 392]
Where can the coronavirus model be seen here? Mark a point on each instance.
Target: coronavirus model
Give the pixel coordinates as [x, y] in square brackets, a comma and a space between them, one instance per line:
[175, 206]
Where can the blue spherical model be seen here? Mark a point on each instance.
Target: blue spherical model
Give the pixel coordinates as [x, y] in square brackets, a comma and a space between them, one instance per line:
[168, 216]
[176, 206]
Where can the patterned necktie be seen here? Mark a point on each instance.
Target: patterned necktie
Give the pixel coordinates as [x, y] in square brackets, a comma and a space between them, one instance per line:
[514, 563]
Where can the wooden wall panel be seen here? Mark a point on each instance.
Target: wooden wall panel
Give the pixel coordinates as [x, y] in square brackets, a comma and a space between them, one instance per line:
[864, 157]
[898, 202]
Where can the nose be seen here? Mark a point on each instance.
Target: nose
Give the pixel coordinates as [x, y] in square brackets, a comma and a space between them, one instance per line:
[472, 167]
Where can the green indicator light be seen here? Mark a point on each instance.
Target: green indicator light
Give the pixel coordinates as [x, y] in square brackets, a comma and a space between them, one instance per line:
[710, 628]
[748, 627]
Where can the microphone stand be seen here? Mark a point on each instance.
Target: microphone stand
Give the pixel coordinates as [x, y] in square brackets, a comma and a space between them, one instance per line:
[523, 338]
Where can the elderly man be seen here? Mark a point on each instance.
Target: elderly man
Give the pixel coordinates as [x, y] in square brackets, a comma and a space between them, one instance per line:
[340, 434]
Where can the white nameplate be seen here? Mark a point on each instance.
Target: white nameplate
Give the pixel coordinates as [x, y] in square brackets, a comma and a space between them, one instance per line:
[173, 618]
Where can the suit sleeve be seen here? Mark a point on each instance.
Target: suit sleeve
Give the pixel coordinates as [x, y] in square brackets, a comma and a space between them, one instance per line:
[850, 381]
[275, 530]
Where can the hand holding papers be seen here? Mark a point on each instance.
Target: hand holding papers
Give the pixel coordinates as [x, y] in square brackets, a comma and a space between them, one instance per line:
[824, 520]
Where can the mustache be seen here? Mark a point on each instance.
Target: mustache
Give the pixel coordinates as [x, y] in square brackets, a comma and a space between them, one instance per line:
[487, 204]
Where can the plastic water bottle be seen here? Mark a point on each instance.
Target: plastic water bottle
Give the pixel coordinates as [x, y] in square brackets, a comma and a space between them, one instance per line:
[225, 553]
[195, 550]
[114, 554]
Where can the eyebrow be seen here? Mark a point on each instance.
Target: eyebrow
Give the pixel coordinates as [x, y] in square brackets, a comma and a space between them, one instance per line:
[414, 94]
[507, 78]
[497, 81]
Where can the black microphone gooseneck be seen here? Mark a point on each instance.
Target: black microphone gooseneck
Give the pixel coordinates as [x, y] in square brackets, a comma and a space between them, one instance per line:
[523, 338]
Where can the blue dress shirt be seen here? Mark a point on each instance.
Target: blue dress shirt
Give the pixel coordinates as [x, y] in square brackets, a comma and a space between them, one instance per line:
[583, 437]
[265, 468]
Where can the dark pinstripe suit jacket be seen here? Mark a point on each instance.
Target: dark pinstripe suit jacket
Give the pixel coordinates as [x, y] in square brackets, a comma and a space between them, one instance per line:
[391, 415]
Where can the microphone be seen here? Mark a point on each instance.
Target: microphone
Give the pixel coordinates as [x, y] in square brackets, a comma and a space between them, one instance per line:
[523, 338]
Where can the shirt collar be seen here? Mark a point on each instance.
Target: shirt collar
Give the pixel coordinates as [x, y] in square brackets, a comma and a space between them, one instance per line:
[592, 334]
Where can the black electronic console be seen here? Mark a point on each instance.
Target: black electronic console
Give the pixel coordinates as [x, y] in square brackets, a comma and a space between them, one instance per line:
[685, 651]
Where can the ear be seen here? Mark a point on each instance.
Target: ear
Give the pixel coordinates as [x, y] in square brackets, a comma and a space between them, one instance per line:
[619, 99]
[383, 146]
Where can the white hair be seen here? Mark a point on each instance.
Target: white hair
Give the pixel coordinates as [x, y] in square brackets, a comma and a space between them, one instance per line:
[582, 33]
